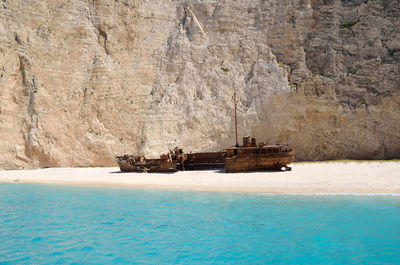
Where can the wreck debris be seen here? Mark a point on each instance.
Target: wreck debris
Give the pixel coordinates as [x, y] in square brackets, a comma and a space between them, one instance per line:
[209, 160]
[247, 157]
[250, 157]
[171, 162]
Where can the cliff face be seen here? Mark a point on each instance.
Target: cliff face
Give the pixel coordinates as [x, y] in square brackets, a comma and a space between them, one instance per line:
[83, 81]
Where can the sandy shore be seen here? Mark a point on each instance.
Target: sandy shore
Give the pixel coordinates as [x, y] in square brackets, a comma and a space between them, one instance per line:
[328, 177]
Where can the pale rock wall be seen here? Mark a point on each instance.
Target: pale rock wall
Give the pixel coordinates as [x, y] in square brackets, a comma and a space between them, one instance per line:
[83, 81]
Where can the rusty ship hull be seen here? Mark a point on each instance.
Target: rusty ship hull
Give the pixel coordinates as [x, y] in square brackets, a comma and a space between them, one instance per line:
[258, 162]
[248, 157]
[234, 159]
[141, 164]
[203, 161]
[253, 157]
[192, 161]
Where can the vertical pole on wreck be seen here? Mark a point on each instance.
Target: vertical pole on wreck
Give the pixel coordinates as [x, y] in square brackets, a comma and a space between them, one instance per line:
[237, 143]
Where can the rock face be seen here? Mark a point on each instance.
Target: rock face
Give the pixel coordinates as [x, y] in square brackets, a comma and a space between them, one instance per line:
[83, 81]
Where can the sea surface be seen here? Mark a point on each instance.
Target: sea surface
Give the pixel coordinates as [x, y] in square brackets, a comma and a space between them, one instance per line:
[45, 224]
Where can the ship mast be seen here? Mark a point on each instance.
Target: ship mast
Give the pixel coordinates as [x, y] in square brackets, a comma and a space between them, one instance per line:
[237, 143]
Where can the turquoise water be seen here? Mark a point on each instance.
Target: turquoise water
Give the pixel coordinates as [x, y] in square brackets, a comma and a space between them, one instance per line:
[43, 224]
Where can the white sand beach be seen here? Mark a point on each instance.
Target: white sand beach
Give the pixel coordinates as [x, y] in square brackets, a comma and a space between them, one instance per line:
[322, 177]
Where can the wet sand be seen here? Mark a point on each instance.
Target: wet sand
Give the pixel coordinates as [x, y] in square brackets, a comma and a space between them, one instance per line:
[323, 177]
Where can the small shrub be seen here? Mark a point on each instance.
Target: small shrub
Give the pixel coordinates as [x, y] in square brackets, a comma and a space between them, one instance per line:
[392, 52]
[349, 24]
[292, 86]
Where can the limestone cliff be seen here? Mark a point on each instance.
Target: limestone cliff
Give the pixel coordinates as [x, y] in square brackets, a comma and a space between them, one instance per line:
[83, 81]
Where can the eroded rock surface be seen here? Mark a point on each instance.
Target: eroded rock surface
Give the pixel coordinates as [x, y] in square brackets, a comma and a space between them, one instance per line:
[83, 81]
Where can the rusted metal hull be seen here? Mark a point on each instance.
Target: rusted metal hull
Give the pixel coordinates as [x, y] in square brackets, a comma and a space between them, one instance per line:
[258, 162]
[203, 161]
[248, 157]
[150, 166]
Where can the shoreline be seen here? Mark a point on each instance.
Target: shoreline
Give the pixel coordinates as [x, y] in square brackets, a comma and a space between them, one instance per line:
[344, 177]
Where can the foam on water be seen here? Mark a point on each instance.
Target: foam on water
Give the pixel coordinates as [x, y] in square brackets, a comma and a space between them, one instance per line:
[44, 224]
[340, 193]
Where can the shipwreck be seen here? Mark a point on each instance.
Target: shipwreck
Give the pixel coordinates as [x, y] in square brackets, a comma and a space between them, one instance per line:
[239, 158]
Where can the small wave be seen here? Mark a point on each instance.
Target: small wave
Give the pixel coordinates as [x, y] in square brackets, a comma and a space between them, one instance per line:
[336, 194]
